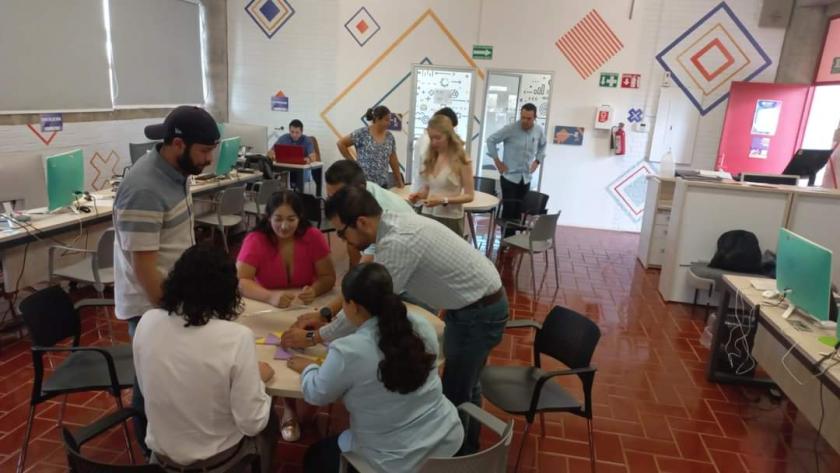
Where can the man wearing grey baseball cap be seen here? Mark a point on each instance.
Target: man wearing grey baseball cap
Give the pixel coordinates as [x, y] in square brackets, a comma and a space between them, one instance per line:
[153, 218]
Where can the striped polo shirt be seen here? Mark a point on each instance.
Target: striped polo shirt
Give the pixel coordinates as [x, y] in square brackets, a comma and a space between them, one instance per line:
[152, 212]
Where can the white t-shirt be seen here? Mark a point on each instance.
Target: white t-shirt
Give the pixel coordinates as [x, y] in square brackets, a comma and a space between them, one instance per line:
[201, 385]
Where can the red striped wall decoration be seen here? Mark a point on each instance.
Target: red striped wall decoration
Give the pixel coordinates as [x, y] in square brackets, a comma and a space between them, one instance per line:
[589, 44]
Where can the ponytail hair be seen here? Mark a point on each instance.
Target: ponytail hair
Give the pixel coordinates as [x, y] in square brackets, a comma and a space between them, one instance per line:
[406, 364]
[377, 113]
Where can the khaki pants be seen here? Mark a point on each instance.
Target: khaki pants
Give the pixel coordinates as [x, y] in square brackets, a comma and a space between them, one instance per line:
[454, 224]
[224, 462]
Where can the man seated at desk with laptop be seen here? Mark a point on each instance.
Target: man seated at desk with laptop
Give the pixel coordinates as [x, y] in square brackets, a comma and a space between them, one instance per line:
[295, 137]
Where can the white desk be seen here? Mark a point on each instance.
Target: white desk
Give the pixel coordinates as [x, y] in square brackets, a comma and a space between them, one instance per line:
[482, 203]
[80, 230]
[263, 319]
[774, 338]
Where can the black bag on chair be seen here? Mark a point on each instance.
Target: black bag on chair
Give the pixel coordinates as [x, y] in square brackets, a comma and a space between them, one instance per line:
[737, 250]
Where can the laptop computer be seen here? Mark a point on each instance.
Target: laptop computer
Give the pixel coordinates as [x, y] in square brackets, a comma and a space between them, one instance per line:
[290, 154]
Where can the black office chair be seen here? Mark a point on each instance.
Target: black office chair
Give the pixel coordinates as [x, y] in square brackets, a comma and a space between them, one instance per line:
[51, 317]
[485, 184]
[313, 211]
[534, 203]
[80, 464]
[566, 336]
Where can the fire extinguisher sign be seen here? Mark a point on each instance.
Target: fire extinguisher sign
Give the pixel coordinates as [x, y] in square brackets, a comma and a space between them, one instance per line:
[604, 117]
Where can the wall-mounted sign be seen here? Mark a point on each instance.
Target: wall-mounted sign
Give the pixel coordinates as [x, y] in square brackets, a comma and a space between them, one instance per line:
[630, 81]
[759, 147]
[568, 135]
[51, 122]
[395, 122]
[482, 51]
[604, 117]
[766, 117]
[608, 79]
[835, 66]
[279, 102]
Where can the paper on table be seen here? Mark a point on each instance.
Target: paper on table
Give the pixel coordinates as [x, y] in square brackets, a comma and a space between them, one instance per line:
[272, 338]
[282, 354]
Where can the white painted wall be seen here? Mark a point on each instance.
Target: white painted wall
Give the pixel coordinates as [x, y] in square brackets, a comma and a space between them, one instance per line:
[104, 144]
[313, 59]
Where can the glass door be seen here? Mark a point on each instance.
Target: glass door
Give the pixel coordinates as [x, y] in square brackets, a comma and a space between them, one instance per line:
[505, 93]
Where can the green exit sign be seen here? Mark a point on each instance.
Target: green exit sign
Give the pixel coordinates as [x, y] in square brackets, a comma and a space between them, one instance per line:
[481, 51]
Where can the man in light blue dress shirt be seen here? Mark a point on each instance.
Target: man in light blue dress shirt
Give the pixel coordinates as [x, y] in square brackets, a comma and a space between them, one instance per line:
[524, 150]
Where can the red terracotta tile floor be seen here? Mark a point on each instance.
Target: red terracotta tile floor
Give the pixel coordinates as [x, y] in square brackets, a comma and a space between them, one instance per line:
[654, 410]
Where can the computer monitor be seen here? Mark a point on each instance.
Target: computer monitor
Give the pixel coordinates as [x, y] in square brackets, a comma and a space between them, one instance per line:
[228, 154]
[255, 137]
[138, 150]
[65, 176]
[803, 274]
[807, 163]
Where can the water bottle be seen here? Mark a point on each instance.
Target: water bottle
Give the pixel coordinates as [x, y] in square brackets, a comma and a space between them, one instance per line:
[666, 165]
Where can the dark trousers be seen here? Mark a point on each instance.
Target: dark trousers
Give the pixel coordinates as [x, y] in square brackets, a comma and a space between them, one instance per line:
[468, 337]
[324, 456]
[137, 402]
[297, 180]
[514, 191]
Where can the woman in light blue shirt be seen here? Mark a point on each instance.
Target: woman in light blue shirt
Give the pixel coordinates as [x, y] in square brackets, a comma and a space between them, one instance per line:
[385, 373]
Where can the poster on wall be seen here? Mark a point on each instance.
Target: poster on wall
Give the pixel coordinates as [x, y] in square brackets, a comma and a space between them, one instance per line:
[395, 122]
[759, 147]
[436, 88]
[766, 118]
[279, 103]
[835, 66]
[536, 89]
[568, 135]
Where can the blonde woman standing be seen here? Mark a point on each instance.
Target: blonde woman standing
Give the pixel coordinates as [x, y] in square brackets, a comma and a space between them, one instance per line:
[447, 176]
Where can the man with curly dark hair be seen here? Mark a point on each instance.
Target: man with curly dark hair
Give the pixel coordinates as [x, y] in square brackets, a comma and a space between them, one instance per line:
[204, 389]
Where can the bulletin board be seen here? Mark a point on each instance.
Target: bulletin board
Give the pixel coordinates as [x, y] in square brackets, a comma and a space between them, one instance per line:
[434, 87]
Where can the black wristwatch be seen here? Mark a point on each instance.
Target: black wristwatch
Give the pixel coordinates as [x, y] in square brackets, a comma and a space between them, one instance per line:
[326, 313]
[310, 335]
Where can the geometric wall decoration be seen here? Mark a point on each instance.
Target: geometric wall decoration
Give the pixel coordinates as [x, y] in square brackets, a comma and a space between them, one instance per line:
[336, 109]
[45, 140]
[710, 55]
[634, 115]
[629, 189]
[270, 15]
[589, 44]
[104, 167]
[362, 26]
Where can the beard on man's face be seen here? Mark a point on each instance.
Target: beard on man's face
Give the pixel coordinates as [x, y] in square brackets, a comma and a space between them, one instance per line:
[186, 163]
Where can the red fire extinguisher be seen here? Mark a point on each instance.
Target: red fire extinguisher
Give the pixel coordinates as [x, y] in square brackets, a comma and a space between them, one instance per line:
[618, 141]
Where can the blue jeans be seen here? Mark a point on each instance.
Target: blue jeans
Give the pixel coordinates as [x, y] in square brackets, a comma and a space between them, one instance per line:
[137, 402]
[468, 338]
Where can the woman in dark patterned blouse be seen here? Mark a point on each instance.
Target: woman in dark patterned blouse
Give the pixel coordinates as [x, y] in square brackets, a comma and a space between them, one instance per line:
[375, 148]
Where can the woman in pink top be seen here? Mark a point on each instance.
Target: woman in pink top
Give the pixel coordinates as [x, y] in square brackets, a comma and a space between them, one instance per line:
[283, 259]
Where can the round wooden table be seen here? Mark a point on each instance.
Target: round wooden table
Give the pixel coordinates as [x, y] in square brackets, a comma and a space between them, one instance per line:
[482, 203]
[263, 319]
